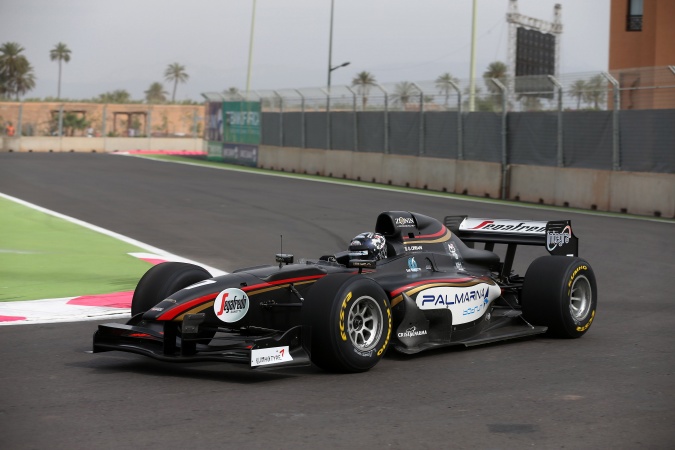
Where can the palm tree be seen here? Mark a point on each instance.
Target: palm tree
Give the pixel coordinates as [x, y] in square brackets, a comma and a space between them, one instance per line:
[596, 88]
[156, 93]
[402, 93]
[117, 96]
[16, 73]
[444, 85]
[176, 73]
[578, 91]
[24, 79]
[60, 53]
[496, 70]
[232, 93]
[363, 81]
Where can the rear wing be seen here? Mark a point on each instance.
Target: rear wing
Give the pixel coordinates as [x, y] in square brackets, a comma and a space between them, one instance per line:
[557, 236]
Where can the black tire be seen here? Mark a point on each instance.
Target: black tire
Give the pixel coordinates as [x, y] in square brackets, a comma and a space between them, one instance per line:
[560, 292]
[163, 280]
[350, 320]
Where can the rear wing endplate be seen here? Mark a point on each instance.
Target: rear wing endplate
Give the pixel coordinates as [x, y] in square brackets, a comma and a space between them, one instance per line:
[557, 236]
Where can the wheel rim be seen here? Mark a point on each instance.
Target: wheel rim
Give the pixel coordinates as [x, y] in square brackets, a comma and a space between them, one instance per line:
[581, 298]
[364, 323]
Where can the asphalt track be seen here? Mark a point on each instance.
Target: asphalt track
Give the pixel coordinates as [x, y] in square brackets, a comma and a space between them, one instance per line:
[613, 388]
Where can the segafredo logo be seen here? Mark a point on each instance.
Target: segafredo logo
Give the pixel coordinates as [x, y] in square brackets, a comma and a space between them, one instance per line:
[231, 305]
[555, 239]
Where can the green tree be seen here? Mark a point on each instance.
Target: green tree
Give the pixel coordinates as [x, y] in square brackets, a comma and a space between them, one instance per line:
[596, 90]
[60, 53]
[444, 85]
[117, 96]
[156, 93]
[496, 70]
[578, 91]
[232, 93]
[175, 73]
[16, 73]
[403, 92]
[363, 82]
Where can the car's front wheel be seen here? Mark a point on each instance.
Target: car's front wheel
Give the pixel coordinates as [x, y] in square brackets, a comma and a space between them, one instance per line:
[350, 320]
[560, 292]
[163, 280]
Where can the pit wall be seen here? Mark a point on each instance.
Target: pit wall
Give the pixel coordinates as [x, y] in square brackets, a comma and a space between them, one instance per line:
[648, 194]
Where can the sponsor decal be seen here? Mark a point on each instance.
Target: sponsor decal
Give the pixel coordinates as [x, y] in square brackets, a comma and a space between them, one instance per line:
[574, 274]
[156, 308]
[404, 222]
[201, 283]
[453, 250]
[465, 302]
[231, 305]
[272, 355]
[506, 226]
[367, 354]
[412, 332]
[590, 321]
[555, 239]
[412, 248]
[412, 265]
[341, 323]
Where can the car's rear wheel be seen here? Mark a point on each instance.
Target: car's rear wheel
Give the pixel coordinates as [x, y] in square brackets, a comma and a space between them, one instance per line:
[163, 280]
[350, 320]
[560, 292]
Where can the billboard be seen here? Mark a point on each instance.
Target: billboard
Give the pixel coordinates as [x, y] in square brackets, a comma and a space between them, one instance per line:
[535, 60]
[234, 132]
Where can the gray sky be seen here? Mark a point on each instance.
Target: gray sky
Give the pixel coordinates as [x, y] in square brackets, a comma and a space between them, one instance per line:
[127, 44]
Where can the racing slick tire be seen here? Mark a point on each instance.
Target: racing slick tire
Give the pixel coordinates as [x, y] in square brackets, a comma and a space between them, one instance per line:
[350, 320]
[163, 280]
[560, 292]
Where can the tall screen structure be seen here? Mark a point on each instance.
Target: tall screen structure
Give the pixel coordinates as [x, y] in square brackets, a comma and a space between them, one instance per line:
[535, 60]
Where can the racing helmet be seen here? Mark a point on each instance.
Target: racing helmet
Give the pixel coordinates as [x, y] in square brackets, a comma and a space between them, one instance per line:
[369, 246]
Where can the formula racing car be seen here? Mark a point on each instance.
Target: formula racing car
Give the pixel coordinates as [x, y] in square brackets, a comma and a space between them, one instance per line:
[413, 284]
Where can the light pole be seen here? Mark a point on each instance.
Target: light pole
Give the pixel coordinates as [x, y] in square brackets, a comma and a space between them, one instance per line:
[330, 47]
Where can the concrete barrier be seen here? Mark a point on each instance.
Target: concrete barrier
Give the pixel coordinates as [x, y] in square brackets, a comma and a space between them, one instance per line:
[368, 167]
[650, 194]
[339, 164]
[477, 178]
[436, 174]
[96, 144]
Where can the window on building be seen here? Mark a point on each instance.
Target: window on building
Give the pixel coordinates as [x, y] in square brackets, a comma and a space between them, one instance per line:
[634, 22]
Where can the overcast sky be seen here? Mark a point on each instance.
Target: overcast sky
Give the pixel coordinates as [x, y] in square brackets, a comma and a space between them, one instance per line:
[127, 44]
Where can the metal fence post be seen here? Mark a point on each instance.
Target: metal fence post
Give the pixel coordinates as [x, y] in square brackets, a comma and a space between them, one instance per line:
[281, 118]
[61, 120]
[19, 122]
[559, 137]
[302, 119]
[328, 130]
[616, 150]
[460, 150]
[420, 150]
[356, 121]
[386, 117]
[505, 159]
[103, 119]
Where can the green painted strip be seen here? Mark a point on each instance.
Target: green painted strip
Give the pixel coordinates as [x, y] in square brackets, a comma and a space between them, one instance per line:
[42, 256]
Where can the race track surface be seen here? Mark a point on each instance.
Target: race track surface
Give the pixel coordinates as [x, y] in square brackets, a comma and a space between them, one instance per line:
[613, 388]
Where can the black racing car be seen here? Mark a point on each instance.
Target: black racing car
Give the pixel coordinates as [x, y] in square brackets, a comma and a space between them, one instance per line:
[413, 285]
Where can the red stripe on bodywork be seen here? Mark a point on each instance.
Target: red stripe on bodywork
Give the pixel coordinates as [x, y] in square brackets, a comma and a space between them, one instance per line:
[419, 283]
[285, 281]
[179, 309]
[183, 307]
[425, 236]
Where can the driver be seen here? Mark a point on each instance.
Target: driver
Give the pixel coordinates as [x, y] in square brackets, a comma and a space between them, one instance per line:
[369, 246]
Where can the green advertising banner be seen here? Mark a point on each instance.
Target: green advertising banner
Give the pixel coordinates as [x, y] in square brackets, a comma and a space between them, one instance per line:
[241, 122]
[234, 132]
